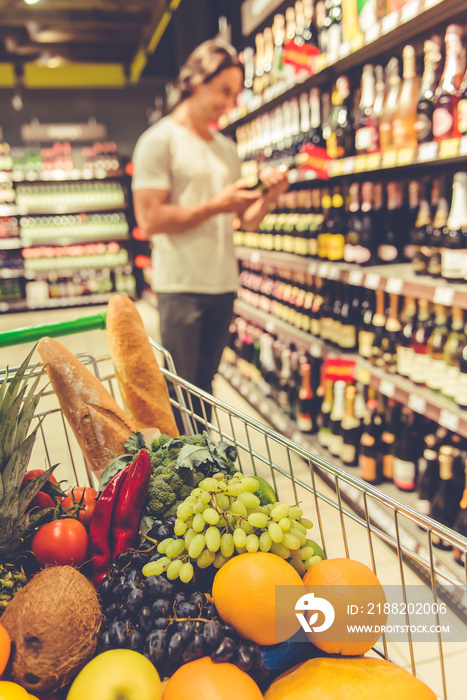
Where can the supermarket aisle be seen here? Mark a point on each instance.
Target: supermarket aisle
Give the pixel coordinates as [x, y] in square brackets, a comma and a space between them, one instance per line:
[337, 532]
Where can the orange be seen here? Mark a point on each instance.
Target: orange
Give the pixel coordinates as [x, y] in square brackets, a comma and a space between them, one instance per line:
[12, 691]
[345, 582]
[244, 593]
[351, 679]
[205, 679]
[5, 646]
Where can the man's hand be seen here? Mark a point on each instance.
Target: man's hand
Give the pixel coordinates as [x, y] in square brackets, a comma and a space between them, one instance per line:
[276, 181]
[234, 199]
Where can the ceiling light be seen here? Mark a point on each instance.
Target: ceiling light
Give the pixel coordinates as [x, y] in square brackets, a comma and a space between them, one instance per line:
[31, 2]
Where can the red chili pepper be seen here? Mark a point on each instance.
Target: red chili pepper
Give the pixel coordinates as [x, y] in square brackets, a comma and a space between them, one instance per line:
[130, 502]
[101, 524]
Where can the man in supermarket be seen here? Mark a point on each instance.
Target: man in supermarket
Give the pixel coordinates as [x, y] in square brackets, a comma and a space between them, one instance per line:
[187, 195]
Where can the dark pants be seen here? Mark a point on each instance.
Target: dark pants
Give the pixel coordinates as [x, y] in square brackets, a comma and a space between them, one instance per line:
[194, 329]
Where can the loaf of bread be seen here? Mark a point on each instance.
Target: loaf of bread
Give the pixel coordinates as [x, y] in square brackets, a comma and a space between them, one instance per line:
[100, 426]
[141, 382]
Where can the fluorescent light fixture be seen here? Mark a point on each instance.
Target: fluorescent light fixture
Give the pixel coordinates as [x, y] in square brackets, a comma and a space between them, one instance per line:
[31, 2]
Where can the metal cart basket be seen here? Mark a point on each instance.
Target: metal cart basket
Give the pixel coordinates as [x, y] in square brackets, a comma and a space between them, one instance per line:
[323, 491]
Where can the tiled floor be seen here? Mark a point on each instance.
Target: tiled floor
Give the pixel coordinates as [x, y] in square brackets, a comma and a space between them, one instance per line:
[340, 533]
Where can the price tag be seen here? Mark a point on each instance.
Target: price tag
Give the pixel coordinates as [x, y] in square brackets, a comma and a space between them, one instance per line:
[373, 161]
[344, 49]
[387, 388]
[431, 3]
[449, 420]
[372, 280]
[390, 22]
[356, 277]
[312, 267]
[405, 156]
[323, 269]
[373, 33]
[316, 350]
[428, 151]
[410, 10]
[360, 164]
[337, 167]
[417, 403]
[270, 326]
[394, 285]
[463, 146]
[255, 257]
[320, 62]
[443, 295]
[449, 148]
[348, 166]
[389, 159]
[357, 42]
[334, 272]
[363, 375]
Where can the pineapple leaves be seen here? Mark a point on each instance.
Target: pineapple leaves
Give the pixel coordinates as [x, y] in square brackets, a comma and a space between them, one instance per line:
[32, 488]
[8, 428]
[18, 463]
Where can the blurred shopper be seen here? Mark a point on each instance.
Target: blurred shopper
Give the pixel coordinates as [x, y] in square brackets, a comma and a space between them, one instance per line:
[187, 192]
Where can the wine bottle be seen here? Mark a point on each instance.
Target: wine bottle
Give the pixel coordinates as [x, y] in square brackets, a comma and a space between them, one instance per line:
[315, 136]
[378, 327]
[354, 223]
[380, 96]
[258, 81]
[428, 480]
[324, 432]
[337, 414]
[436, 373]
[392, 333]
[455, 343]
[366, 333]
[405, 351]
[337, 314]
[403, 129]
[460, 396]
[445, 503]
[388, 438]
[285, 378]
[347, 338]
[425, 107]
[310, 35]
[323, 229]
[435, 234]
[419, 235]
[390, 104]
[365, 131]
[388, 249]
[278, 32]
[350, 430]
[305, 401]
[369, 458]
[462, 108]
[405, 453]
[421, 358]
[447, 93]
[340, 142]
[455, 233]
[460, 524]
[336, 228]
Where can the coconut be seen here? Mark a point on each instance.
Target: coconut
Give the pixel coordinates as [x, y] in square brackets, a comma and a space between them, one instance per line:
[53, 623]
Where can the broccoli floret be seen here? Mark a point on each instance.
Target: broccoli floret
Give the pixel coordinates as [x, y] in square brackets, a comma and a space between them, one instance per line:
[185, 491]
[160, 497]
[197, 478]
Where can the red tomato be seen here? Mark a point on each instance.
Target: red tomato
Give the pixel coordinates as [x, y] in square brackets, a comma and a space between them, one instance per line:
[40, 500]
[88, 501]
[61, 542]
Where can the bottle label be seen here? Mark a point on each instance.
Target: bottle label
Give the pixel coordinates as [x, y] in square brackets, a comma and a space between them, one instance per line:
[365, 139]
[313, 247]
[324, 436]
[436, 375]
[423, 127]
[387, 253]
[367, 467]
[348, 453]
[315, 326]
[365, 343]
[461, 390]
[442, 123]
[451, 379]
[420, 368]
[323, 245]
[404, 474]
[335, 444]
[388, 467]
[452, 264]
[335, 246]
[404, 361]
[356, 253]
[462, 116]
[347, 337]
[304, 423]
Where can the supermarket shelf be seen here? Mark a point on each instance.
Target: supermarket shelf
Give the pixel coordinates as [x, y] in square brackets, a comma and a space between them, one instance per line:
[395, 279]
[7, 273]
[393, 31]
[84, 300]
[8, 210]
[412, 538]
[60, 240]
[65, 175]
[421, 400]
[10, 243]
[68, 209]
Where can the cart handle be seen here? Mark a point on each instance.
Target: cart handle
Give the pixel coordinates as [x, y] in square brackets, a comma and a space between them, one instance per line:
[53, 330]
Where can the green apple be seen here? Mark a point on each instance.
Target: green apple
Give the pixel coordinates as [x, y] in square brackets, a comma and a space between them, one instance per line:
[118, 674]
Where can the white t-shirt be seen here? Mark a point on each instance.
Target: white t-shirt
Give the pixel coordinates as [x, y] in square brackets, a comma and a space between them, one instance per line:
[169, 157]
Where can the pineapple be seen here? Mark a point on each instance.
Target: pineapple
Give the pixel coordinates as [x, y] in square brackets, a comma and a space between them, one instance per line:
[12, 579]
[17, 407]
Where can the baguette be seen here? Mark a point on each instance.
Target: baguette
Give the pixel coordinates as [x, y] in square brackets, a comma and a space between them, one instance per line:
[141, 382]
[98, 423]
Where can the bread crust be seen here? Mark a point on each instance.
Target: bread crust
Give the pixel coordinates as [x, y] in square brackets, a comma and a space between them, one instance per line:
[100, 426]
[140, 380]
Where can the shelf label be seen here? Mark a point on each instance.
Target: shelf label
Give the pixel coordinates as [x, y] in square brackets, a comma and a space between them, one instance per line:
[449, 420]
[389, 22]
[334, 272]
[357, 42]
[270, 326]
[348, 166]
[315, 350]
[320, 62]
[443, 295]
[417, 403]
[337, 167]
[449, 148]
[372, 280]
[344, 49]
[360, 163]
[312, 267]
[373, 161]
[323, 269]
[389, 159]
[363, 375]
[387, 388]
[405, 156]
[463, 146]
[255, 257]
[373, 33]
[428, 152]
[431, 3]
[410, 10]
[394, 285]
[356, 277]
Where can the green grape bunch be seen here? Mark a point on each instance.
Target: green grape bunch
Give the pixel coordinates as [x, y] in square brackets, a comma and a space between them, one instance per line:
[221, 518]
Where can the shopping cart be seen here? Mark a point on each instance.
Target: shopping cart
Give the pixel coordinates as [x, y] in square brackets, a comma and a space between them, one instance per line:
[375, 529]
